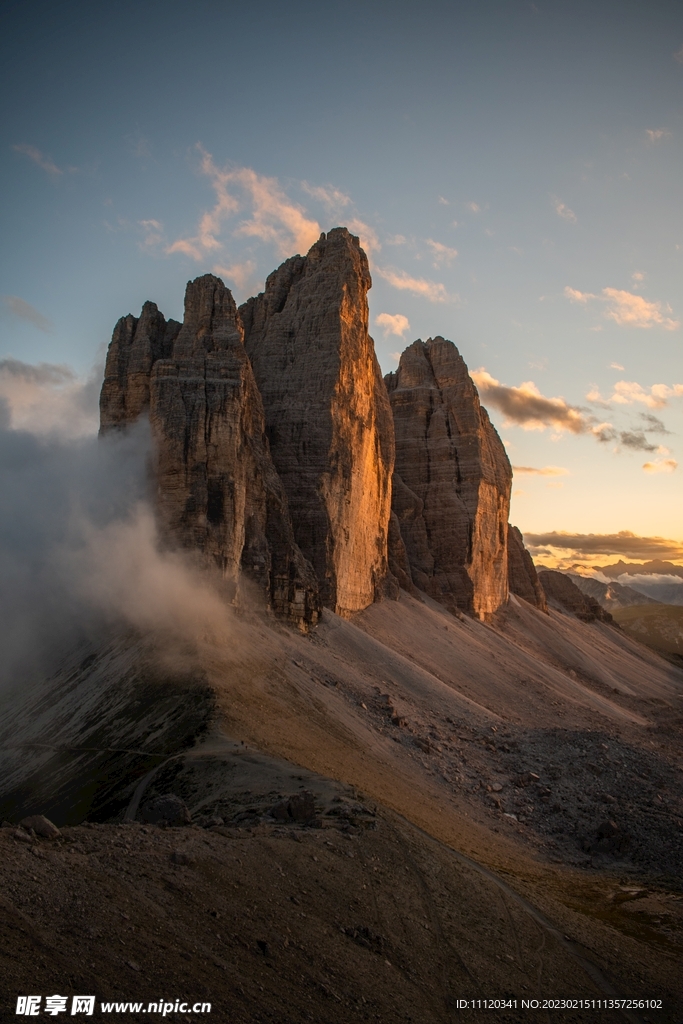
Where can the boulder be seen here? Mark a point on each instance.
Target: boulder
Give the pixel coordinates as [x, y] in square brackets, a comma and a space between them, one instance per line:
[41, 825]
[166, 810]
[327, 415]
[452, 479]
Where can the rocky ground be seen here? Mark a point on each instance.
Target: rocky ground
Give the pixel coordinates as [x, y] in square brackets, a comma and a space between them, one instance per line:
[355, 916]
[387, 815]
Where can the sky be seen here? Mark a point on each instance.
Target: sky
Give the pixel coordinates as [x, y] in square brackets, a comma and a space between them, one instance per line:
[513, 169]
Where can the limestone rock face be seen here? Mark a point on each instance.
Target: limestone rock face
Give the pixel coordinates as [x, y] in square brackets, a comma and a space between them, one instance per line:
[217, 490]
[135, 346]
[451, 485]
[563, 590]
[328, 418]
[522, 577]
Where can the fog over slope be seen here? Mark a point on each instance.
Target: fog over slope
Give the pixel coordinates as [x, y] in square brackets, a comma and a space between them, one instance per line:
[79, 548]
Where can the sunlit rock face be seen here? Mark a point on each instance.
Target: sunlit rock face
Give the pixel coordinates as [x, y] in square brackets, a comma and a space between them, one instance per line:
[522, 577]
[327, 415]
[217, 490]
[451, 485]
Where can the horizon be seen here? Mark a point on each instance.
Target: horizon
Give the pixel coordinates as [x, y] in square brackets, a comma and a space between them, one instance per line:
[514, 180]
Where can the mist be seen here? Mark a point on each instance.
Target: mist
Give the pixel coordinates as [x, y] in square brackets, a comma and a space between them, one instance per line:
[79, 549]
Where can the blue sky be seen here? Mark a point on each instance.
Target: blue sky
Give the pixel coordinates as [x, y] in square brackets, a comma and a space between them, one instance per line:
[514, 169]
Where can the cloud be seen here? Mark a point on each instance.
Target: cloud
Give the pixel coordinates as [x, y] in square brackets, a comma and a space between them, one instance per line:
[79, 552]
[563, 211]
[38, 158]
[473, 207]
[660, 466]
[153, 232]
[241, 275]
[394, 323]
[636, 441]
[544, 471]
[678, 55]
[444, 202]
[638, 276]
[273, 218]
[654, 424]
[531, 410]
[49, 399]
[657, 134]
[25, 311]
[628, 392]
[627, 309]
[330, 196]
[441, 253]
[419, 286]
[616, 366]
[367, 236]
[396, 240]
[396, 356]
[624, 543]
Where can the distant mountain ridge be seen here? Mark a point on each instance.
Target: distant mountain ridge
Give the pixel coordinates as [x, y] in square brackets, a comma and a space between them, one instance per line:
[610, 595]
[655, 567]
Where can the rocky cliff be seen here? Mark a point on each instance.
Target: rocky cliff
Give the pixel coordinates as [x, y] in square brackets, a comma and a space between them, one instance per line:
[281, 453]
[451, 485]
[522, 576]
[217, 490]
[327, 414]
[563, 591]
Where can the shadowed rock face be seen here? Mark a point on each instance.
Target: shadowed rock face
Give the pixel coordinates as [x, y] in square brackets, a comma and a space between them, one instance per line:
[135, 346]
[563, 590]
[218, 492]
[327, 414]
[522, 577]
[451, 486]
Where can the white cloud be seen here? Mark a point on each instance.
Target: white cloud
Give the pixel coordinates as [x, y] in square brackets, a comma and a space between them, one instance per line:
[616, 366]
[473, 207]
[543, 471]
[396, 240]
[638, 276]
[38, 158]
[441, 253]
[25, 311]
[330, 196]
[655, 135]
[396, 356]
[678, 55]
[430, 290]
[273, 218]
[153, 233]
[627, 309]
[628, 392]
[660, 466]
[241, 275]
[394, 323]
[563, 211]
[444, 202]
[49, 398]
[368, 237]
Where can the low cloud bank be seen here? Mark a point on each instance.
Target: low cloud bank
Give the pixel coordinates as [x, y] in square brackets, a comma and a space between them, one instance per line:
[624, 543]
